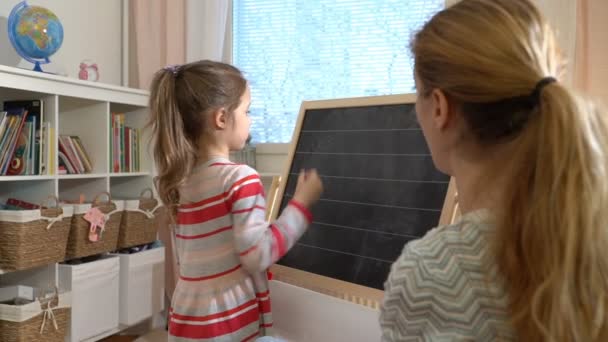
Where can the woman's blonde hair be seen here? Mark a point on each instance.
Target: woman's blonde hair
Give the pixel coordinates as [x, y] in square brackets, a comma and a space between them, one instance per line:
[180, 99]
[551, 243]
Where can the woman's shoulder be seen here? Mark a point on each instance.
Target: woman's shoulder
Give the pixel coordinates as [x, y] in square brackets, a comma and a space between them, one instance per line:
[444, 254]
[442, 284]
[462, 236]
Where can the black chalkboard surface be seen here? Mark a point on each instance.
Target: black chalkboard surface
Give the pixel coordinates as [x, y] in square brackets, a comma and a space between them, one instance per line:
[381, 187]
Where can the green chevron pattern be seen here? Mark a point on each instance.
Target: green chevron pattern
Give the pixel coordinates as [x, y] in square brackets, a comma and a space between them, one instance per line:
[444, 287]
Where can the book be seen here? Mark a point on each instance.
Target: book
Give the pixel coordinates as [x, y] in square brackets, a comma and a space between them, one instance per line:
[64, 162]
[20, 115]
[116, 142]
[124, 145]
[35, 109]
[19, 204]
[82, 153]
[3, 123]
[32, 157]
[127, 153]
[5, 140]
[20, 161]
[122, 142]
[66, 146]
[47, 159]
[52, 152]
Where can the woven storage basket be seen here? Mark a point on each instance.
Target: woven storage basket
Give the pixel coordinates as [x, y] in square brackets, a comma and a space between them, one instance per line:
[79, 244]
[139, 224]
[45, 320]
[31, 238]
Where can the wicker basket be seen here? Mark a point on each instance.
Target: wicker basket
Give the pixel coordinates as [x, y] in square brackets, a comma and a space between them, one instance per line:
[139, 221]
[79, 244]
[45, 320]
[31, 238]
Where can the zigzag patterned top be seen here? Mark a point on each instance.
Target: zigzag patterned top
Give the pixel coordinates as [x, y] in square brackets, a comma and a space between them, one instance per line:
[444, 287]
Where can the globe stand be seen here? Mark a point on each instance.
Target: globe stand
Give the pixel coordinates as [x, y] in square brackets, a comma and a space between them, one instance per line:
[37, 67]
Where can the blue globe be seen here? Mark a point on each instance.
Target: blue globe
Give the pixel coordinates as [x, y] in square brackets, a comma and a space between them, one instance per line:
[35, 32]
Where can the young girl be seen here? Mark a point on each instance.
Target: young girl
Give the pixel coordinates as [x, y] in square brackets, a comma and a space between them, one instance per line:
[224, 245]
[529, 258]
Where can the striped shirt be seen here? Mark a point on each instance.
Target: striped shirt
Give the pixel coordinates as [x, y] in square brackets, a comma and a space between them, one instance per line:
[444, 287]
[224, 247]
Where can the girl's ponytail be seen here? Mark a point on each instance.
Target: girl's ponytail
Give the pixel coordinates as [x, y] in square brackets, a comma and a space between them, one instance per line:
[174, 153]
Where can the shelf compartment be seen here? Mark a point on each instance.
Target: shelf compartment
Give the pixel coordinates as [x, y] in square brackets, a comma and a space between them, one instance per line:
[33, 190]
[72, 188]
[137, 117]
[129, 187]
[87, 119]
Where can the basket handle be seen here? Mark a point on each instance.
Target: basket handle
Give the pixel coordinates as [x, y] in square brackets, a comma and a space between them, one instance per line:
[149, 213]
[51, 220]
[43, 298]
[108, 215]
[147, 191]
[49, 198]
[96, 199]
[48, 310]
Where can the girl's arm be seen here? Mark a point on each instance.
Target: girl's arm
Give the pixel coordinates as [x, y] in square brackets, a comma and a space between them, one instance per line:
[258, 242]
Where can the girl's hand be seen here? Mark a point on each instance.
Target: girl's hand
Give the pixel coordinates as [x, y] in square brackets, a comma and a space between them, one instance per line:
[309, 188]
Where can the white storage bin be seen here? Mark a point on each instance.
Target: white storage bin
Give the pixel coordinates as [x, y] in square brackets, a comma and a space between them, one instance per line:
[142, 285]
[94, 287]
[303, 315]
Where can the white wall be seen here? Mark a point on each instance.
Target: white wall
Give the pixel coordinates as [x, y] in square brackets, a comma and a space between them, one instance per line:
[92, 30]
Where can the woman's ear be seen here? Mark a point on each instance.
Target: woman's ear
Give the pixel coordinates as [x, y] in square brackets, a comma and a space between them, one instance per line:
[442, 113]
[220, 118]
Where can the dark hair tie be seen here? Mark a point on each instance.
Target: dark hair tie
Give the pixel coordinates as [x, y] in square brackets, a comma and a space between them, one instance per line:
[539, 87]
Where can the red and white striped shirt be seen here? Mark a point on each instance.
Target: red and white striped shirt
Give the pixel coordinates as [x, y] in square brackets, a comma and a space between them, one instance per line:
[224, 247]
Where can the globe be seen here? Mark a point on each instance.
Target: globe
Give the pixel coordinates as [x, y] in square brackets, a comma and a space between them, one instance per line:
[35, 32]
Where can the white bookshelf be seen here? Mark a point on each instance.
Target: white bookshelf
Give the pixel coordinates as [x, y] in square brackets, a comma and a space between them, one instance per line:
[79, 108]
[84, 109]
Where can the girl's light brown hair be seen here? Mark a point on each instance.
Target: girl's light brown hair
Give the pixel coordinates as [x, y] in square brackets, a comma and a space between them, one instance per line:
[180, 99]
[551, 242]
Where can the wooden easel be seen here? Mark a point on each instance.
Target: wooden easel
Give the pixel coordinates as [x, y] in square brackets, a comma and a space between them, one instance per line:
[272, 195]
[337, 288]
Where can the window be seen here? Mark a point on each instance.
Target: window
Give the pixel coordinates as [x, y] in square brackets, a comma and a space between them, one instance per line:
[296, 50]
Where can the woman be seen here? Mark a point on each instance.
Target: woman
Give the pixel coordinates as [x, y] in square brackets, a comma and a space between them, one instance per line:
[528, 260]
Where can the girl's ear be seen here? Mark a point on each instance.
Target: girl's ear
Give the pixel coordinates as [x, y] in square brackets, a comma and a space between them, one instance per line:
[220, 118]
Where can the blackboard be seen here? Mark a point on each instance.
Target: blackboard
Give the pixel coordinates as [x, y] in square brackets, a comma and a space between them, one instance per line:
[381, 187]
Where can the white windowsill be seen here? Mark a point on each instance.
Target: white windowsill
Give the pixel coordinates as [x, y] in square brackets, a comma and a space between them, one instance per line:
[272, 148]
